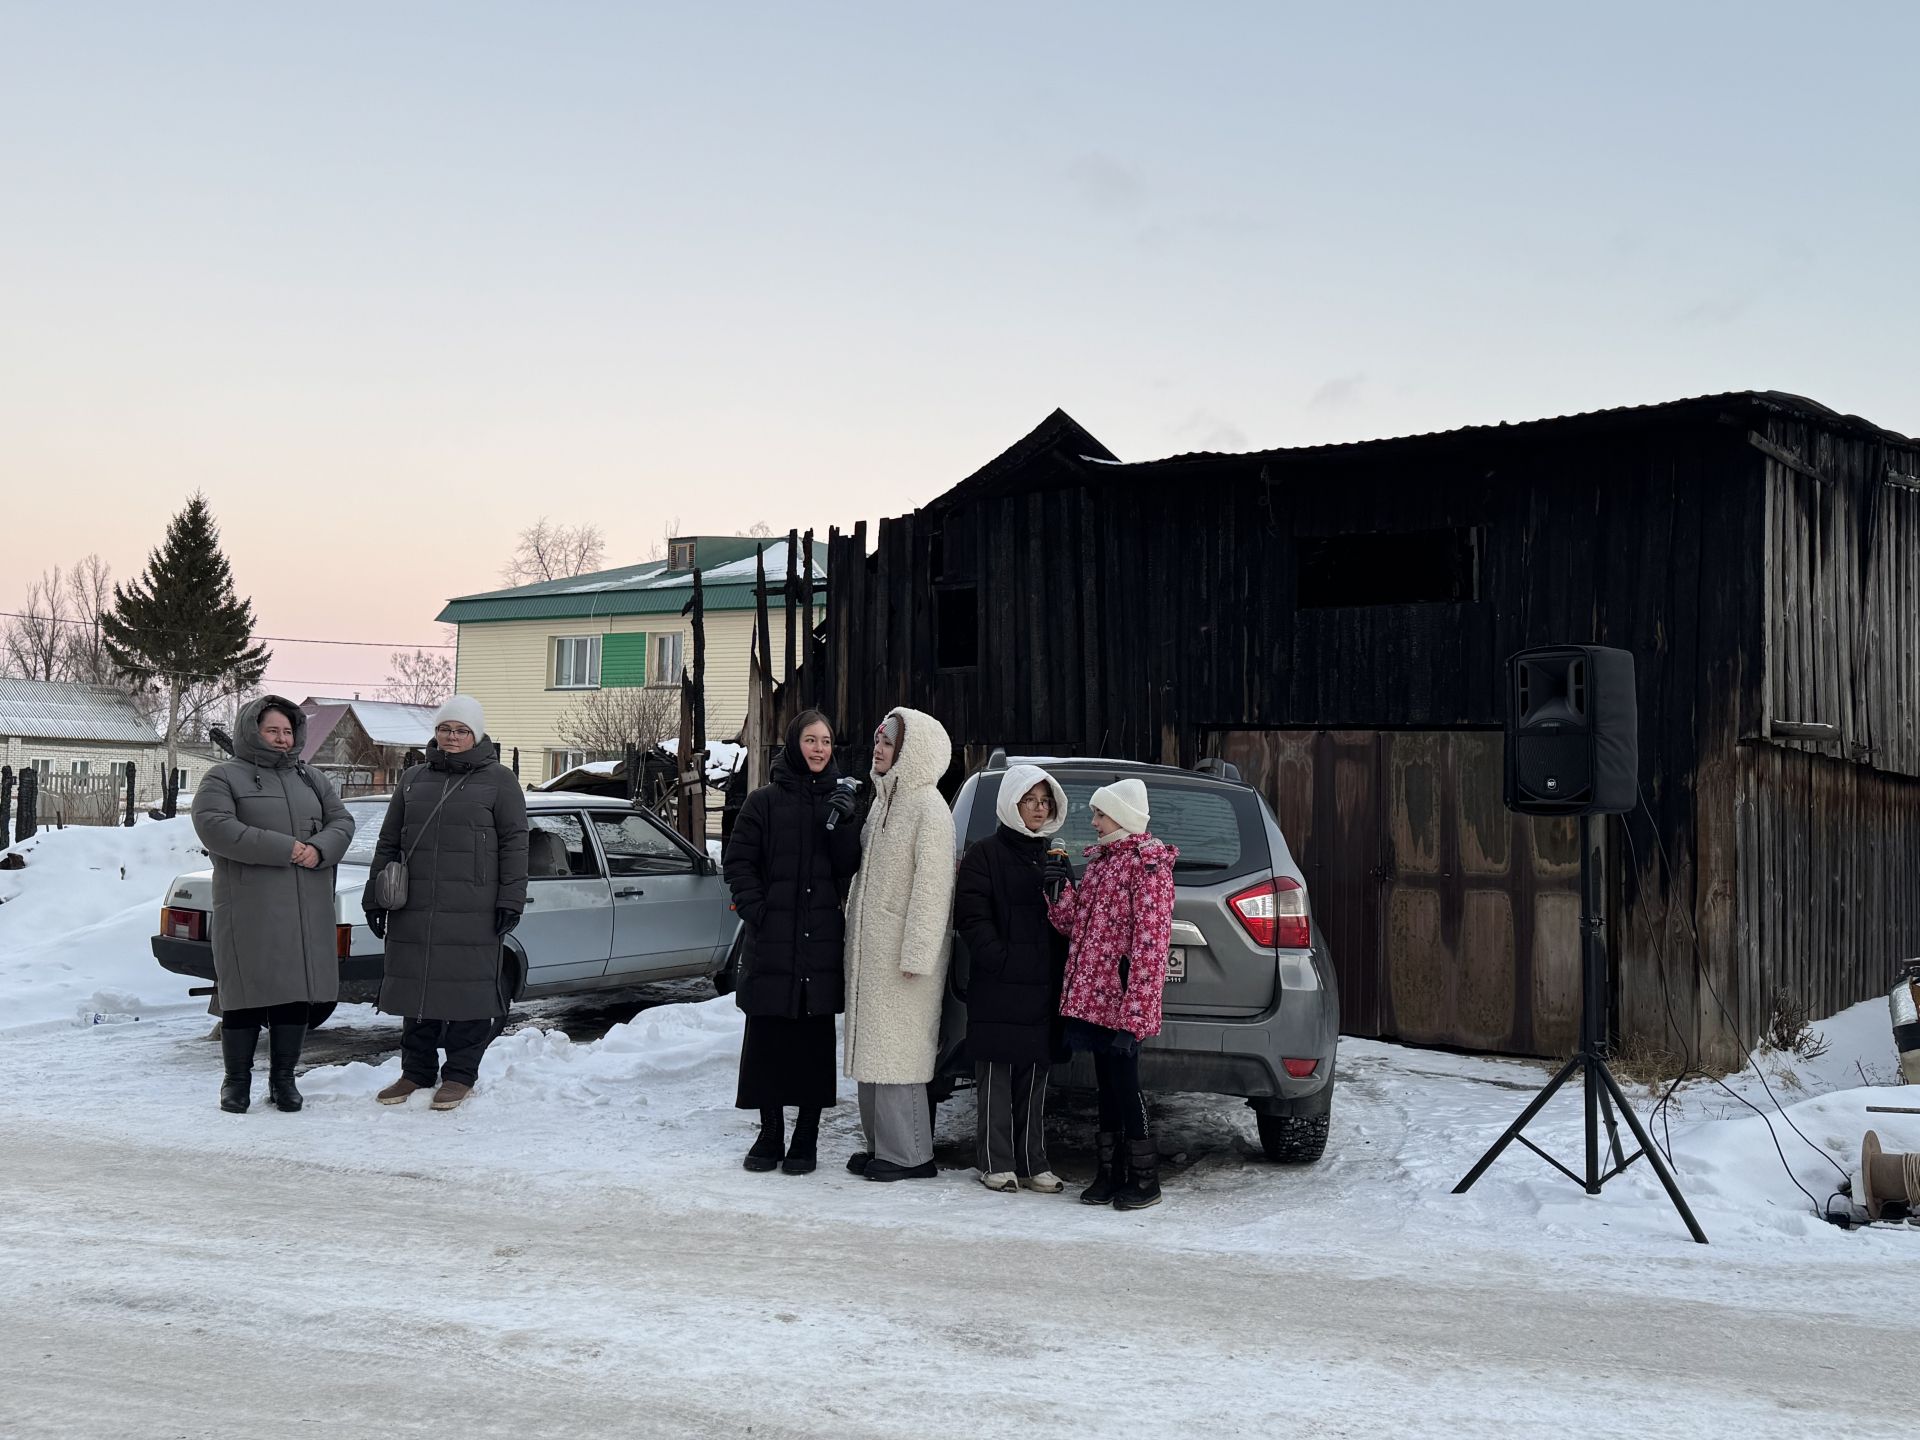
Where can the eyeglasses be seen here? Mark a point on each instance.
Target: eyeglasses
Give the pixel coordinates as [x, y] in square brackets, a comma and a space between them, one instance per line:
[1038, 802]
[451, 732]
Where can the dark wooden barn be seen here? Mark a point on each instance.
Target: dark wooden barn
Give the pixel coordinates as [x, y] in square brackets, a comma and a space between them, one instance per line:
[1335, 620]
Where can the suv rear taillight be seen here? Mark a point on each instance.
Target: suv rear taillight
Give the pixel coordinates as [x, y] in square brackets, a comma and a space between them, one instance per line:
[183, 924]
[342, 941]
[1275, 914]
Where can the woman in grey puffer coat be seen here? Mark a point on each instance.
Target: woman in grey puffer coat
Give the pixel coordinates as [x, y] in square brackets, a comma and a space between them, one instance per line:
[460, 824]
[275, 830]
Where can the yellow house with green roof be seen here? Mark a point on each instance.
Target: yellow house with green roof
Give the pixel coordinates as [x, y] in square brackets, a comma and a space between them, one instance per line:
[531, 653]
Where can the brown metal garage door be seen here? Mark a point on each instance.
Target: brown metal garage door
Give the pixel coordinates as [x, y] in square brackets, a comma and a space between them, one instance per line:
[1452, 920]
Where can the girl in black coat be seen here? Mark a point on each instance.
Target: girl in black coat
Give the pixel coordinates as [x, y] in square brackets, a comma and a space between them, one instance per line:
[1016, 960]
[793, 850]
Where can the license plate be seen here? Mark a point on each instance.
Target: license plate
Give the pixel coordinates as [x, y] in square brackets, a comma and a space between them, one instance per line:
[1176, 965]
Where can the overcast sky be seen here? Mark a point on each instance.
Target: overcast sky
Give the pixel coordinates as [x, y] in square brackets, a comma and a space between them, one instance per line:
[389, 281]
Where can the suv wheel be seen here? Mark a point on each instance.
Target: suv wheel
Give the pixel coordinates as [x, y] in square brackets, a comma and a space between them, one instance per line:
[1293, 1139]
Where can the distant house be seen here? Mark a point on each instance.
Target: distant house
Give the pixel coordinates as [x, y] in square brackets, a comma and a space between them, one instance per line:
[530, 653]
[67, 732]
[363, 745]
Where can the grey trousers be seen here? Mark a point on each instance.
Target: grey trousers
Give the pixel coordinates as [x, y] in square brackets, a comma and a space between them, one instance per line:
[896, 1122]
[1010, 1108]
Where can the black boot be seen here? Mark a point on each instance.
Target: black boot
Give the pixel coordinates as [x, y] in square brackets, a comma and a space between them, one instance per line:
[766, 1152]
[1143, 1177]
[802, 1149]
[1112, 1173]
[237, 1044]
[283, 1053]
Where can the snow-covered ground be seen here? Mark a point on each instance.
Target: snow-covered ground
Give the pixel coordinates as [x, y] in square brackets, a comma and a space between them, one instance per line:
[76, 923]
[577, 1251]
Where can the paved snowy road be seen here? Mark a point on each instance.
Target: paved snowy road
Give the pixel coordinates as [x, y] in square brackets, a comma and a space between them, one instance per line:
[152, 1293]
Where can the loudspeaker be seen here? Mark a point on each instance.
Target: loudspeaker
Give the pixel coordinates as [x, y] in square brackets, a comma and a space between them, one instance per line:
[1573, 731]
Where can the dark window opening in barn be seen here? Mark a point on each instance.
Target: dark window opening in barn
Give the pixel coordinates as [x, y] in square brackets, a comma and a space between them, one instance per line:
[956, 625]
[1408, 567]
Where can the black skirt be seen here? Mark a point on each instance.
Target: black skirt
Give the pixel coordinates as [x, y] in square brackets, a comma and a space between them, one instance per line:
[787, 1062]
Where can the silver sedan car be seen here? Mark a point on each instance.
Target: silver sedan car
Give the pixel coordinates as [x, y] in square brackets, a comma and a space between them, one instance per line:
[614, 897]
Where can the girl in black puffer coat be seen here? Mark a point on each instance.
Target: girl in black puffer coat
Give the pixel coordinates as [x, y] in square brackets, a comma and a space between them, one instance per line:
[789, 872]
[1016, 959]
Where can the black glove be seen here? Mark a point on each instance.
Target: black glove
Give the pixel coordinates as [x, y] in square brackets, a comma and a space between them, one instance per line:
[842, 803]
[505, 920]
[1056, 873]
[377, 923]
[1126, 971]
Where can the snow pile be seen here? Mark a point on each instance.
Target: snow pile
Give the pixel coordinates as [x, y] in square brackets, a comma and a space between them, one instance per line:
[76, 924]
[537, 1065]
[723, 757]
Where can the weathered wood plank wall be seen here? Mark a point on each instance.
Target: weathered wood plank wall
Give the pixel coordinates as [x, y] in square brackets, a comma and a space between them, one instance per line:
[1143, 610]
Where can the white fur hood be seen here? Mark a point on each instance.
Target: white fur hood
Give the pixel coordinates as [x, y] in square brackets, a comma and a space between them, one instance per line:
[1016, 782]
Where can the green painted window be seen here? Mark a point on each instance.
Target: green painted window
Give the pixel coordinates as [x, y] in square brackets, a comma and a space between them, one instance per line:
[623, 660]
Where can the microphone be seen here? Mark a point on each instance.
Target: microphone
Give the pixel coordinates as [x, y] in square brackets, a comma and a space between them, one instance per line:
[847, 786]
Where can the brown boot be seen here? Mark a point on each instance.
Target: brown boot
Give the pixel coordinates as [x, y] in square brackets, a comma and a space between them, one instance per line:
[450, 1094]
[399, 1092]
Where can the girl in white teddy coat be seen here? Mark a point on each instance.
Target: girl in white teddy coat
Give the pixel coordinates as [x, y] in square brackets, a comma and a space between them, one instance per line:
[899, 940]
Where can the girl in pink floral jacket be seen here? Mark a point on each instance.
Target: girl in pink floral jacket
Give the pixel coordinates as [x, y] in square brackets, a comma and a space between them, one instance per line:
[1119, 920]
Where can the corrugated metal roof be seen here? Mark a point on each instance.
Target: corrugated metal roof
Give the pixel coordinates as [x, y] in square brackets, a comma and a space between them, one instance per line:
[654, 588]
[54, 710]
[321, 718]
[387, 722]
[609, 600]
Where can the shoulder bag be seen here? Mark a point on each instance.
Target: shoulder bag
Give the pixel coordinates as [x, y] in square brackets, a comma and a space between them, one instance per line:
[390, 884]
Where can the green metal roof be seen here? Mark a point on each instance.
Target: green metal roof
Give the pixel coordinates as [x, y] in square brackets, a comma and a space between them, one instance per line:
[654, 588]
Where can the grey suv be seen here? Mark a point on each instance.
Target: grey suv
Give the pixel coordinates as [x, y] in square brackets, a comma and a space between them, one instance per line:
[1251, 1005]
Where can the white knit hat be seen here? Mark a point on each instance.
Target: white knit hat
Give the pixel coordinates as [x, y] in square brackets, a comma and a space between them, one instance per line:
[463, 710]
[1125, 803]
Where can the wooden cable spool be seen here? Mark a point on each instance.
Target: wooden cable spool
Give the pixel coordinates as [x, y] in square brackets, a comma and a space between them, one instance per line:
[1888, 1177]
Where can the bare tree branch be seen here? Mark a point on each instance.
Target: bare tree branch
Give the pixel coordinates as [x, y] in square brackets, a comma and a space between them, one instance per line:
[34, 646]
[419, 679]
[604, 723]
[89, 596]
[546, 551]
[664, 544]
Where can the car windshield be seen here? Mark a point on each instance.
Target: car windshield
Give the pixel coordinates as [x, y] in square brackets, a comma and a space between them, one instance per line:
[1201, 823]
[367, 815]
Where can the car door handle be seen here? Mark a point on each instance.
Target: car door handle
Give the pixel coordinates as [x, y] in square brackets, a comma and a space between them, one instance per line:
[628, 894]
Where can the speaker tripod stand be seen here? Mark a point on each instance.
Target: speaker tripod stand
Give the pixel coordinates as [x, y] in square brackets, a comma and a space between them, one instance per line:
[1601, 1091]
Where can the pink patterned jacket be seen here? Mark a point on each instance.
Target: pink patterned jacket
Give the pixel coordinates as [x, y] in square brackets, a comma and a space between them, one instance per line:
[1123, 906]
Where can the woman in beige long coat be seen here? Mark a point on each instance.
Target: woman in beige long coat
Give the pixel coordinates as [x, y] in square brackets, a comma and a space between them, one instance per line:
[899, 940]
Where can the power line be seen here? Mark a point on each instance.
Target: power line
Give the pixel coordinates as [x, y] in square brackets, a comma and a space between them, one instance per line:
[276, 639]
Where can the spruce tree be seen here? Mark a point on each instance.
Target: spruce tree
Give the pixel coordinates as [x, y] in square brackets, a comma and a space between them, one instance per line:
[180, 625]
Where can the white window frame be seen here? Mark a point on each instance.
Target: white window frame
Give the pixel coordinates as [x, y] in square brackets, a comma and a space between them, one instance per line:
[666, 657]
[79, 767]
[559, 762]
[568, 645]
[44, 765]
[680, 554]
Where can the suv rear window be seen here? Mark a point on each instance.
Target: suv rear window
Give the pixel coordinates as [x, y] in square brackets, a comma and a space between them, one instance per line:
[1216, 827]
